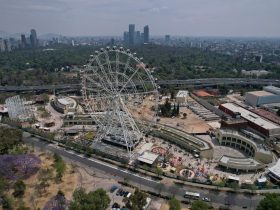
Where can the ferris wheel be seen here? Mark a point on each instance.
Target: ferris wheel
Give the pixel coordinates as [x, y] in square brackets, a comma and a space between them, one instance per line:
[115, 82]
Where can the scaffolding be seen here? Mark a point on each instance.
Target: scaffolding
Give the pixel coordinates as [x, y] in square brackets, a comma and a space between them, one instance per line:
[18, 109]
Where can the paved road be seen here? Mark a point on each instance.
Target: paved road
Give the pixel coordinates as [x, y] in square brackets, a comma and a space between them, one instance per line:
[188, 82]
[236, 201]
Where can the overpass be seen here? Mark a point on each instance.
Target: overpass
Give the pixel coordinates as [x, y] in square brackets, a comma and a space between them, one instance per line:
[189, 82]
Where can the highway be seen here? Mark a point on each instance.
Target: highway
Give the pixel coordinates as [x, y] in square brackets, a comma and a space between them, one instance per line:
[218, 198]
[188, 82]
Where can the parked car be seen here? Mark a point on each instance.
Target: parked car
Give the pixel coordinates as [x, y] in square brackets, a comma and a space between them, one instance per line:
[116, 206]
[127, 194]
[119, 191]
[122, 193]
[206, 199]
[113, 188]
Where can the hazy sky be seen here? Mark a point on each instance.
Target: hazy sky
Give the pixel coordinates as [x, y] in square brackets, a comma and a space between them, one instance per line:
[111, 17]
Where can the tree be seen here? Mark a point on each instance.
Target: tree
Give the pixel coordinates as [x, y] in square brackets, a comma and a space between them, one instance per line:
[185, 115]
[137, 201]
[10, 138]
[19, 188]
[60, 166]
[159, 171]
[166, 108]
[199, 205]
[278, 112]
[45, 97]
[223, 89]
[3, 185]
[174, 204]
[271, 201]
[178, 110]
[172, 94]
[7, 202]
[94, 200]
[174, 111]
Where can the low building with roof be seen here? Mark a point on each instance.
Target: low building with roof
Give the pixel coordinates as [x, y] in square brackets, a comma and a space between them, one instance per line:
[240, 164]
[269, 95]
[259, 124]
[64, 104]
[274, 172]
[258, 153]
[182, 96]
[148, 158]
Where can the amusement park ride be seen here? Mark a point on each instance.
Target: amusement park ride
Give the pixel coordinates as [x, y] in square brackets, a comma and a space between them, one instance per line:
[115, 81]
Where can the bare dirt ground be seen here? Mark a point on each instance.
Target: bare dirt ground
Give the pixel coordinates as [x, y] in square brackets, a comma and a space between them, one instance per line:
[68, 184]
[165, 206]
[192, 123]
[54, 116]
[74, 177]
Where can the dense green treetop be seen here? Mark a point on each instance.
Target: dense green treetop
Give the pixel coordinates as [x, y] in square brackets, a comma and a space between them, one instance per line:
[137, 201]
[199, 205]
[94, 200]
[270, 202]
[174, 204]
[9, 137]
[40, 66]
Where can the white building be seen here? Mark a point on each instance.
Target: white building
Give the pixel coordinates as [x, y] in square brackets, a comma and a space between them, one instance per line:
[148, 158]
[182, 96]
[274, 171]
[269, 95]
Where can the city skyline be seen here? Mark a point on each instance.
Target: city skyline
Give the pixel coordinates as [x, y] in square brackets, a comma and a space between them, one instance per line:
[247, 18]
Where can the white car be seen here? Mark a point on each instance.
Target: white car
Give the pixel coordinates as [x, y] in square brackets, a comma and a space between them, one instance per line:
[206, 199]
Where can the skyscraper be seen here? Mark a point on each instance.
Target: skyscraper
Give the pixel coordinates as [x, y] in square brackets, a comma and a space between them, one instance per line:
[23, 41]
[33, 38]
[167, 39]
[137, 37]
[146, 34]
[131, 33]
[7, 45]
[126, 37]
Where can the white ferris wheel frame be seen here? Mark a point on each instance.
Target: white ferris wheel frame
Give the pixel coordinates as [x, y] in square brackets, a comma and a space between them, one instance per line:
[113, 90]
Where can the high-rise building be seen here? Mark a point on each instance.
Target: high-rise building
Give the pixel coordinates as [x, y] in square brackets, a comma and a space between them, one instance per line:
[7, 45]
[167, 39]
[33, 38]
[23, 41]
[138, 37]
[126, 37]
[142, 37]
[131, 33]
[146, 34]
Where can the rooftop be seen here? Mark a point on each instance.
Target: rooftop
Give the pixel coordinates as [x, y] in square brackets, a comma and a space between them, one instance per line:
[272, 89]
[261, 93]
[250, 116]
[275, 169]
[67, 101]
[182, 93]
[148, 157]
[240, 163]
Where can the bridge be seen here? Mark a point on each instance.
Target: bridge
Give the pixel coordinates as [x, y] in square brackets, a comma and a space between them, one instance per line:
[206, 82]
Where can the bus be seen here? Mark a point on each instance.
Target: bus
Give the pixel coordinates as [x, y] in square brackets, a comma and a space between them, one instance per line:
[192, 195]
